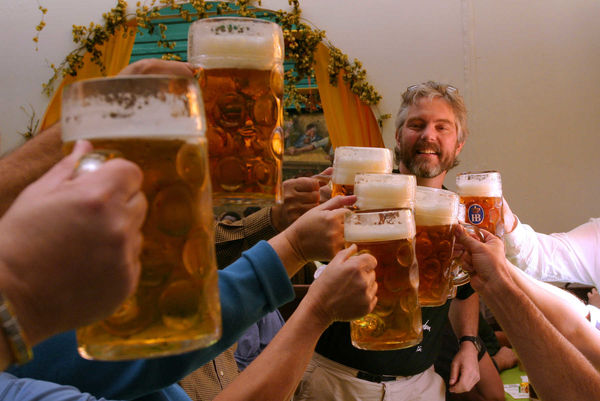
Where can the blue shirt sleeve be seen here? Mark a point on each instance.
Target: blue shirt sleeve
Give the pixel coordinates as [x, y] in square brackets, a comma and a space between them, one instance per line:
[13, 388]
[249, 288]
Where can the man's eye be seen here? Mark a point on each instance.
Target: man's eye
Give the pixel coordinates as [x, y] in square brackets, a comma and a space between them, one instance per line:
[443, 128]
[415, 126]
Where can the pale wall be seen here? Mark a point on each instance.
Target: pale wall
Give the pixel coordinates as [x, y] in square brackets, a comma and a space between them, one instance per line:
[530, 73]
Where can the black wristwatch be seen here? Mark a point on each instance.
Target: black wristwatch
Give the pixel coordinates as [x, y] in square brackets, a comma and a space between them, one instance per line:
[479, 345]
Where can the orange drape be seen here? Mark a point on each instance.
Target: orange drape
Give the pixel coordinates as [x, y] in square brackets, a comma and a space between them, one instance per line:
[116, 52]
[350, 122]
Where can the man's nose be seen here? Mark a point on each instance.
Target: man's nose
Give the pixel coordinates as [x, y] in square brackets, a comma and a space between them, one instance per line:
[429, 133]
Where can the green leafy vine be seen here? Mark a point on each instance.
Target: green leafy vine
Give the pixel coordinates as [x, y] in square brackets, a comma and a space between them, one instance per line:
[300, 39]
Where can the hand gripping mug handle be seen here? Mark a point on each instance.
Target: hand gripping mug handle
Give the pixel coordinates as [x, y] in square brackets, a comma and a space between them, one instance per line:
[461, 277]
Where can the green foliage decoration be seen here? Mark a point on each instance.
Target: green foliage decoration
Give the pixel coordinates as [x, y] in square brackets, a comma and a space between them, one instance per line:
[300, 39]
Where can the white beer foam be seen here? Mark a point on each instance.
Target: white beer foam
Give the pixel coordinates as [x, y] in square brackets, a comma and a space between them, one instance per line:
[435, 207]
[479, 188]
[147, 118]
[379, 232]
[350, 163]
[235, 51]
[383, 195]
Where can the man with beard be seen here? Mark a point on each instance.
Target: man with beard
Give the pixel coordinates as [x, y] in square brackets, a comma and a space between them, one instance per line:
[431, 129]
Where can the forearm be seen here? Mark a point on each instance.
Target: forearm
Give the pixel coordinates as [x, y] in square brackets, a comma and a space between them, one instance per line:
[27, 163]
[290, 257]
[464, 316]
[556, 368]
[276, 372]
[563, 310]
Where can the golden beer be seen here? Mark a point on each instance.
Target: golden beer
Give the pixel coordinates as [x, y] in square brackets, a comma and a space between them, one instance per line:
[239, 62]
[436, 213]
[481, 200]
[351, 160]
[176, 306]
[395, 322]
[384, 191]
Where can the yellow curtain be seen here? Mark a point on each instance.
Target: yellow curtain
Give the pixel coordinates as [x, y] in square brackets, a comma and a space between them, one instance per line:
[350, 122]
[116, 52]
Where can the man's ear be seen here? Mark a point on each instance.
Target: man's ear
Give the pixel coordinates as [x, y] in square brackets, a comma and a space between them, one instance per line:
[458, 149]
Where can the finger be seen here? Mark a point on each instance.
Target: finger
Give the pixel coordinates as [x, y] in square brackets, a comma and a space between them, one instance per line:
[465, 239]
[367, 261]
[345, 254]
[118, 176]
[337, 202]
[327, 171]
[303, 184]
[137, 206]
[63, 170]
[453, 374]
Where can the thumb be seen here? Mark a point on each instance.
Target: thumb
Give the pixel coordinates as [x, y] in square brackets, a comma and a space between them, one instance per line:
[453, 374]
[63, 170]
[345, 254]
[337, 202]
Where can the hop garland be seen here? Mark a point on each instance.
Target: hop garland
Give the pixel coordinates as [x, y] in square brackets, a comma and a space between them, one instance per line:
[300, 39]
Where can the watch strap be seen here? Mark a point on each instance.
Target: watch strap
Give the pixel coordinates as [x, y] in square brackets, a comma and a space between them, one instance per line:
[479, 345]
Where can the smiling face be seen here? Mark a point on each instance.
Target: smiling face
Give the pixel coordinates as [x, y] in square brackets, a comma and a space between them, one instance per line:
[428, 139]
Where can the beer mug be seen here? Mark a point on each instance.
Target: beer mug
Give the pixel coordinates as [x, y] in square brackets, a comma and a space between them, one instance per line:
[436, 214]
[240, 68]
[395, 322]
[481, 200]
[158, 123]
[351, 160]
[384, 191]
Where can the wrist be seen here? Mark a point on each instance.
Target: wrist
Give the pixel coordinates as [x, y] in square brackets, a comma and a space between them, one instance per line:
[291, 258]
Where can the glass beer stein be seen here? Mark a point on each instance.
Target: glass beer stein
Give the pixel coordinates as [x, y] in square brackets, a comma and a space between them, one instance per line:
[481, 200]
[436, 214]
[158, 123]
[240, 68]
[384, 191]
[389, 236]
[351, 160]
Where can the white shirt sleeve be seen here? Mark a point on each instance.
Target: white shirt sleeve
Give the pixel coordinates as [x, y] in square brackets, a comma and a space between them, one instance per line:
[572, 257]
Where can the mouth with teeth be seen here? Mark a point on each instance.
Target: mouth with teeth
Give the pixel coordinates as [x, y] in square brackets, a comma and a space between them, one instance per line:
[427, 152]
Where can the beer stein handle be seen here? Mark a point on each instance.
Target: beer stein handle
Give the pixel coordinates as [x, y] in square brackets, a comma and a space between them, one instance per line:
[93, 160]
[459, 276]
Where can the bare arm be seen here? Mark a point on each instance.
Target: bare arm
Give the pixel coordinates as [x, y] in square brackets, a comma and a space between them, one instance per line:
[28, 163]
[566, 312]
[556, 368]
[345, 290]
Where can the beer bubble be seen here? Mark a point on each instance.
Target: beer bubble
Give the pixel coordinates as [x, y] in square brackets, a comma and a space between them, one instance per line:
[230, 110]
[173, 210]
[191, 164]
[277, 80]
[196, 253]
[128, 319]
[179, 305]
[265, 110]
[405, 254]
[158, 257]
[430, 269]
[231, 173]
[277, 142]
[423, 247]
[370, 326]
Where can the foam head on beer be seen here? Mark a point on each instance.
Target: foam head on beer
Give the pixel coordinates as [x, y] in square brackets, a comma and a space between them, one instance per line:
[235, 43]
[484, 184]
[351, 160]
[384, 191]
[435, 207]
[132, 107]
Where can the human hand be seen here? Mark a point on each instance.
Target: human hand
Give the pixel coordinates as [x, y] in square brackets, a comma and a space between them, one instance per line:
[319, 233]
[299, 196]
[325, 190]
[346, 289]
[158, 66]
[69, 245]
[464, 369]
[483, 260]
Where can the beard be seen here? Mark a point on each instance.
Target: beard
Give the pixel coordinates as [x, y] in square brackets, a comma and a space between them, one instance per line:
[422, 166]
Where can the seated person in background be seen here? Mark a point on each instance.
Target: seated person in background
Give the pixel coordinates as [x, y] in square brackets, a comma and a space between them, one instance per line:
[571, 257]
[558, 347]
[100, 229]
[310, 140]
[594, 298]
